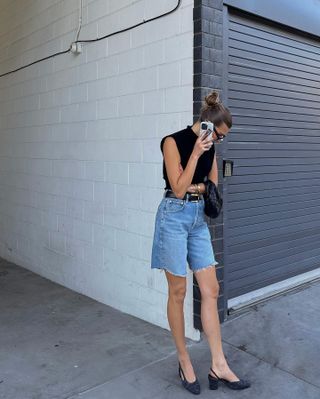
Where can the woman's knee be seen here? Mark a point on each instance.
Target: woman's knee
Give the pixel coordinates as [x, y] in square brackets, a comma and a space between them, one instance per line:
[177, 294]
[177, 290]
[211, 292]
[177, 287]
[208, 283]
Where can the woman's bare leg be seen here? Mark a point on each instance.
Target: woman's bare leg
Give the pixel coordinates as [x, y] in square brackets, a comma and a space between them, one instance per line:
[176, 293]
[209, 288]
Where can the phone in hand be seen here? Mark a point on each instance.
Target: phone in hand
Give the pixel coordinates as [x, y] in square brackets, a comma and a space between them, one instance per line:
[206, 127]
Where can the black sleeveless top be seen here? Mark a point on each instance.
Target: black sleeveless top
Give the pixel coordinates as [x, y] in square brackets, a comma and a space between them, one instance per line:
[185, 140]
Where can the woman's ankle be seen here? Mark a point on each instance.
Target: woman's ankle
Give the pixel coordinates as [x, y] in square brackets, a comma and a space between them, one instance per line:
[184, 357]
[219, 364]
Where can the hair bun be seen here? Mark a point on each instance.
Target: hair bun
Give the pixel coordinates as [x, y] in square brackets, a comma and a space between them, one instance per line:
[212, 98]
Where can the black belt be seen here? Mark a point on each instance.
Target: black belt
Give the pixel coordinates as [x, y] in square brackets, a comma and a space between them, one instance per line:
[193, 197]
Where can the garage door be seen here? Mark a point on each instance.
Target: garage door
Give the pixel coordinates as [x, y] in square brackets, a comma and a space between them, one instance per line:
[272, 212]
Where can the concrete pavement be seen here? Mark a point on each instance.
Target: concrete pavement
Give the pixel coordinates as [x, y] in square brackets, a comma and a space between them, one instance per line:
[58, 344]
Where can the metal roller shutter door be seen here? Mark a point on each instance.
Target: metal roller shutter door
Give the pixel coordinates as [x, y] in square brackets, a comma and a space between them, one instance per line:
[272, 212]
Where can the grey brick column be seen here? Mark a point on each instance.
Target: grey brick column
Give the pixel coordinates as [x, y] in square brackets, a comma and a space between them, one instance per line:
[207, 42]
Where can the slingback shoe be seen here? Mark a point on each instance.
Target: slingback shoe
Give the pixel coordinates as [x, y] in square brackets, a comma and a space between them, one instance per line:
[193, 387]
[213, 382]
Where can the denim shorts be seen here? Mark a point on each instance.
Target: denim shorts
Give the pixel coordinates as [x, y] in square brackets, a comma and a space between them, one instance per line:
[181, 237]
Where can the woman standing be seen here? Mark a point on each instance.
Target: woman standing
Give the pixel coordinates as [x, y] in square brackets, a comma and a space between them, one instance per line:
[182, 237]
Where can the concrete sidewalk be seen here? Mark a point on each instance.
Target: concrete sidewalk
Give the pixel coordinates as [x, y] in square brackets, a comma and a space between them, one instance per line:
[58, 344]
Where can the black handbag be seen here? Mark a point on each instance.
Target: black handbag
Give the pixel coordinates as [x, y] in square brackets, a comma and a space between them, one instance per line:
[212, 199]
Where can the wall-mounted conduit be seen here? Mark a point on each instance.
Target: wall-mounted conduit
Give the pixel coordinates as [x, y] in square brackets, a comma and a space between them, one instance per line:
[90, 40]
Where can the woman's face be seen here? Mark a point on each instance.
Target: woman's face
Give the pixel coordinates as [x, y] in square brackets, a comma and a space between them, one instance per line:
[222, 130]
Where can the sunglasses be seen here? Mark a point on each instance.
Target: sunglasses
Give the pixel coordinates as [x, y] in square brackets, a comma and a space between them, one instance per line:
[220, 137]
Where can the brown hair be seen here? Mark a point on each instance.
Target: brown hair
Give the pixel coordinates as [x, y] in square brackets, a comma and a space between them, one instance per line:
[213, 110]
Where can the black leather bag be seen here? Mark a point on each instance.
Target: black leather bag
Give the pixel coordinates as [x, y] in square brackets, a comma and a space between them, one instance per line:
[212, 200]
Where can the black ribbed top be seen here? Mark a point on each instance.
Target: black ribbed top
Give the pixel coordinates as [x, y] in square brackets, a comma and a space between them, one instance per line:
[185, 140]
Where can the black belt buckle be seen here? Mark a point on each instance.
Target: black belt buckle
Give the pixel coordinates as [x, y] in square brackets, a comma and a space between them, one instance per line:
[193, 197]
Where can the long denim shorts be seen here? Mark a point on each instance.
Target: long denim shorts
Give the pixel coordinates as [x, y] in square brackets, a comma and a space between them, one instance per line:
[181, 237]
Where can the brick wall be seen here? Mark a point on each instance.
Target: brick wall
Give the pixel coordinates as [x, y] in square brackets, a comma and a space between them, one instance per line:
[208, 19]
[80, 162]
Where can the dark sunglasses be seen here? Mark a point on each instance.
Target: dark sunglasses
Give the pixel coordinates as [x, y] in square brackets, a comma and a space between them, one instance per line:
[220, 137]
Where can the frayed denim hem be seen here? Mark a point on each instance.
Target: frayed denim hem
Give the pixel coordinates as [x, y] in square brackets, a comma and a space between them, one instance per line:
[206, 267]
[162, 269]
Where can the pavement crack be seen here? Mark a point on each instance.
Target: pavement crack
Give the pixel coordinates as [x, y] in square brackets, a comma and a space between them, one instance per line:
[271, 364]
[78, 394]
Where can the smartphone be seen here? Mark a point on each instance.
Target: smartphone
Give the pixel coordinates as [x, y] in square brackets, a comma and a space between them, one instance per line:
[206, 126]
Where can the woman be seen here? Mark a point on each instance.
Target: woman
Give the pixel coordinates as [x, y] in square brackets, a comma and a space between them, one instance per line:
[182, 236]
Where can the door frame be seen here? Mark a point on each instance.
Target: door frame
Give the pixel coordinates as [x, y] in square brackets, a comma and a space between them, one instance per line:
[224, 154]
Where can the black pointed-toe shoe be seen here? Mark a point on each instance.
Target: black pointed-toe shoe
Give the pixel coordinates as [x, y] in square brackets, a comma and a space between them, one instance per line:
[213, 382]
[193, 387]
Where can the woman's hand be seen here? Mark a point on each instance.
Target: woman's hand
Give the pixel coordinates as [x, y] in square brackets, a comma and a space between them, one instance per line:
[192, 189]
[203, 143]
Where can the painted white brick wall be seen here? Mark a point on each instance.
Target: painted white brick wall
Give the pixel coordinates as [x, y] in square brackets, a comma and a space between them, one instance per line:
[80, 162]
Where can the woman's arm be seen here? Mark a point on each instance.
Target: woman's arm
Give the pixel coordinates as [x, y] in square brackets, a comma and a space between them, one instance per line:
[213, 176]
[179, 181]
[192, 188]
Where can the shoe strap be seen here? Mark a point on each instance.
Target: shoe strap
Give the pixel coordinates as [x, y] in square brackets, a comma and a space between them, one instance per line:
[230, 382]
[214, 373]
[180, 368]
[189, 383]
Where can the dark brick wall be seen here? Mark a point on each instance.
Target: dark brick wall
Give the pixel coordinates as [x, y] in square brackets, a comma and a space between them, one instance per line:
[207, 43]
